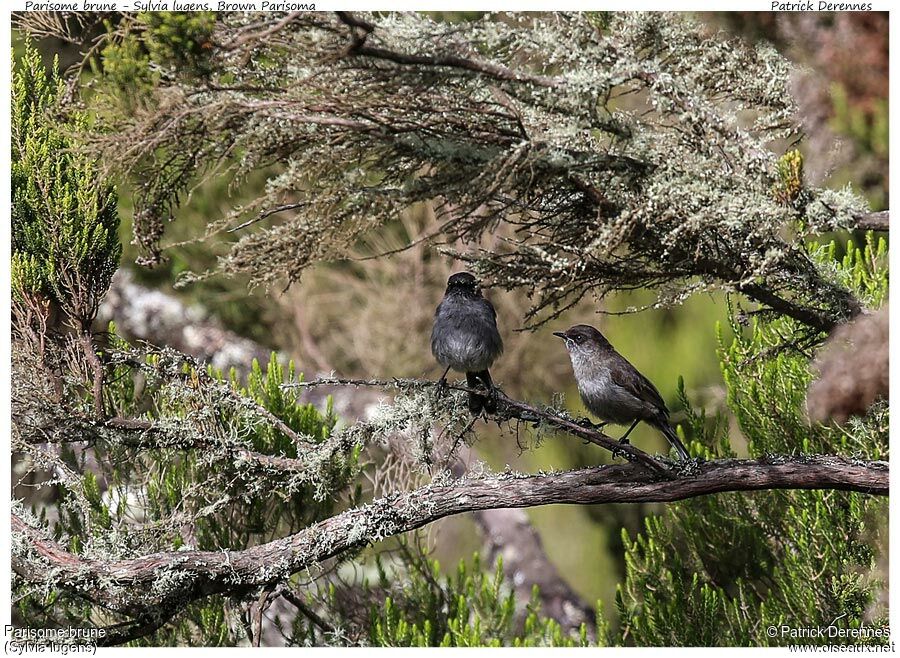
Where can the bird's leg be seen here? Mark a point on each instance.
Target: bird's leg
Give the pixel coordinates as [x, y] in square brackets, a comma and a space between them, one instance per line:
[442, 383]
[624, 439]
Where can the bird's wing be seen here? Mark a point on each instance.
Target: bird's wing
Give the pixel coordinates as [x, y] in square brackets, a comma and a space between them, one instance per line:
[490, 308]
[627, 376]
[491, 318]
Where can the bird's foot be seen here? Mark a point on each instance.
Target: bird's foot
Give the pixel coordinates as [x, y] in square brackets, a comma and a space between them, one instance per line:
[490, 402]
[624, 441]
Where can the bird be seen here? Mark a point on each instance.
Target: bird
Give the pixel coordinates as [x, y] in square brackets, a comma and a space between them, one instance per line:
[612, 389]
[465, 337]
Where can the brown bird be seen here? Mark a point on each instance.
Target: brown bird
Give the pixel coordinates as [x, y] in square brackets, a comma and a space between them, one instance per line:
[612, 389]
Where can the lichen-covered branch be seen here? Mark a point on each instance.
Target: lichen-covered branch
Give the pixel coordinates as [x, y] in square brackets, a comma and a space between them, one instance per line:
[604, 152]
[362, 29]
[510, 409]
[162, 319]
[168, 580]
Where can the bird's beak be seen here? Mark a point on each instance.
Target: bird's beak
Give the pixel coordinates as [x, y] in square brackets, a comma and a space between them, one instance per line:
[560, 334]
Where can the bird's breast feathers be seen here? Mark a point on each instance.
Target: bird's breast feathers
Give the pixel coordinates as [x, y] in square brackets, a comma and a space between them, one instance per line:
[465, 335]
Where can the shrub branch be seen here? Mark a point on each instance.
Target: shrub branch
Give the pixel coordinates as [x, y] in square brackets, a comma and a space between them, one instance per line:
[511, 409]
[166, 580]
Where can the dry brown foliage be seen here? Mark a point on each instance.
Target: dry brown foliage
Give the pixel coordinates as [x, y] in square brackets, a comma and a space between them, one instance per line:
[852, 369]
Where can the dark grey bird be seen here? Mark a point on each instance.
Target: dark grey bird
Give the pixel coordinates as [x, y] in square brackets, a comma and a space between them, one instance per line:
[612, 389]
[465, 337]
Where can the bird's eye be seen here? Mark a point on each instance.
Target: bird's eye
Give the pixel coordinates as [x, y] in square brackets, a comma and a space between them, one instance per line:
[578, 339]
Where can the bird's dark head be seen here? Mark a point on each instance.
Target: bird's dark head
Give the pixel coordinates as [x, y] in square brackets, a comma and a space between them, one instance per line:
[462, 283]
[583, 338]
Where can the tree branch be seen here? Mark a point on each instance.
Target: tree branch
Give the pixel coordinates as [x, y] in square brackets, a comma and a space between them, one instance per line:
[159, 318]
[297, 601]
[136, 586]
[256, 37]
[362, 29]
[510, 409]
[873, 221]
[87, 345]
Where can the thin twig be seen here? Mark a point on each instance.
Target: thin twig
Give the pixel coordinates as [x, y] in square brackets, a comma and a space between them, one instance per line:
[873, 221]
[307, 612]
[510, 409]
[264, 214]
[358, 47]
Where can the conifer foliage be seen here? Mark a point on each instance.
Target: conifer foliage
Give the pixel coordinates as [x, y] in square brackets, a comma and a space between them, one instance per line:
[65, 218]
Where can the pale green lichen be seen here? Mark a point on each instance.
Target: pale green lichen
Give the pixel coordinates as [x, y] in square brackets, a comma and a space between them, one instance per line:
[631, 152]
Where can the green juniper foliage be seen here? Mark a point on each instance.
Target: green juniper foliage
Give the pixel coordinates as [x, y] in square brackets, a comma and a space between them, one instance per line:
[64, 217]
[126, 67]
[720, 570]
[466, 609]
[179, 39]
[173, 41]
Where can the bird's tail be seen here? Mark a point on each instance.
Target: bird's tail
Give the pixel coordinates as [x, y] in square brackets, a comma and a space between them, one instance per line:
[478, 402]
[490, 402]
[669, 431]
